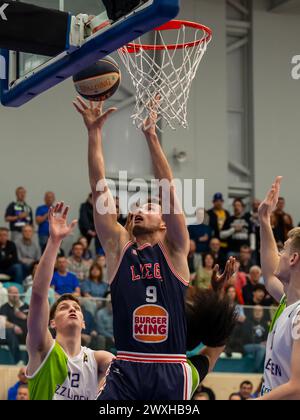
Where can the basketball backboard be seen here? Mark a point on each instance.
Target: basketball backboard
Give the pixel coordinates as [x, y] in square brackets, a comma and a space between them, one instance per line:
[29, 75]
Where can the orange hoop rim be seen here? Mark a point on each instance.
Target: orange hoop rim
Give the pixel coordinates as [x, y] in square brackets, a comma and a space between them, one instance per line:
[132, 48]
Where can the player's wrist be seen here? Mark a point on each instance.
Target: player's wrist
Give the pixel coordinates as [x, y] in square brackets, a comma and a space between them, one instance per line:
[55, 241]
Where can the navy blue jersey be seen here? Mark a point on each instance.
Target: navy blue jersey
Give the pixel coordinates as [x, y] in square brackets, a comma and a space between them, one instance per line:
[148, 302]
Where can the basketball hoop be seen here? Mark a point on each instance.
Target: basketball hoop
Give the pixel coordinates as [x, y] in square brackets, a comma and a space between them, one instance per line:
[166, 69]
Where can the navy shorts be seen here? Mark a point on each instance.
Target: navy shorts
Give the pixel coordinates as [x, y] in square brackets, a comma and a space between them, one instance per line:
[148, 377]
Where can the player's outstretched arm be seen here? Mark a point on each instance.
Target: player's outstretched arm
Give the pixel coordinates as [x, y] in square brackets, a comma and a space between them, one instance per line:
[105, 213]
[268, 249]
[39, 339]
[177, 233]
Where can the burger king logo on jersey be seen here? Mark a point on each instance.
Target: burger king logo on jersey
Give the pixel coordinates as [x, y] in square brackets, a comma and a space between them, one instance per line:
[150, 324]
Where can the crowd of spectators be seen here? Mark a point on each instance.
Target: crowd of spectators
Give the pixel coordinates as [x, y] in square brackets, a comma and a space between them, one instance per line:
[217, 234]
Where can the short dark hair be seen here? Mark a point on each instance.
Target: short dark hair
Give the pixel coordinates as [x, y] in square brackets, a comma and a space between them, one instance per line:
[239, 200]
[234, 394]
[259, 287]
[246, 383]
[77, 244]
[63, 298]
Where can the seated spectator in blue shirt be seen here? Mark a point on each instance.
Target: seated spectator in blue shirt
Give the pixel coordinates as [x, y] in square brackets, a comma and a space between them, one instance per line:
[63, 281]
[13, 391]
[41, 218]
[104, 323]
[200, 232]
[93, 287]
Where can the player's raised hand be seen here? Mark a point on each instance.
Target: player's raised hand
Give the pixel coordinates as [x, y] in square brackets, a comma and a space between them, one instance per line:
[270, 202]
[219, 281]
[92, 114]
[149, 126]
[58, 225]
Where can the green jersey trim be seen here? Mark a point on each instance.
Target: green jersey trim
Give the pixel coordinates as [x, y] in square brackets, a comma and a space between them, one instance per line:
[52, 372]
[280, 310]
[195, 377]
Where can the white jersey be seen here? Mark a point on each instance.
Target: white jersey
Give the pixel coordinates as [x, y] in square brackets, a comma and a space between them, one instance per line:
[61, 377]
[279, 350]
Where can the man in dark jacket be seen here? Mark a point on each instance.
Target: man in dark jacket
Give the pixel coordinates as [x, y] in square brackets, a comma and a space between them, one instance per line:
[86, 223]
[9, 263]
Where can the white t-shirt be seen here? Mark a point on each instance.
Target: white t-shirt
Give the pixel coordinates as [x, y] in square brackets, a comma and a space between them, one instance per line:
[279, 350]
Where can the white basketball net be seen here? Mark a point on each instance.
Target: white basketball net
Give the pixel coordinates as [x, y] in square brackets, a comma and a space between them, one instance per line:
[166, 72]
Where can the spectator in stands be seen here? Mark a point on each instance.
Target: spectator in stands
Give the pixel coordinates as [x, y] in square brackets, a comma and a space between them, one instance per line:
[245, 259]
[246, 389]
[253, 280]
[201, 396]
[18, 214]
[9, 263]
[238, 280]
[23, 393]
[28, 251]
[252, 215]
[87, 253]
[219, 253]
[101, 260]
[218, 217]
[255, 335]
[194, 261]
[235, 397]
[282, 222]
[204, 390]
[86, 223]
[63, 281]
[234, 301]
[3, 295]
[235, 342]
[260, 296]
[76, 264]
[15, 313]
[236, 229]
[94, 287]
[121, 218]
[13, 391]
[104, 323]
[41, 218]
[89, 336]
[204, 274]
[29, 283]
[200, 232]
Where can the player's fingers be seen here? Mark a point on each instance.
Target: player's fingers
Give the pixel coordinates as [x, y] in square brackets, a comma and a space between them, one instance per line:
[92, 105]
[65, 212]
[73, 225]
[77, 107]
[82, 103]
[108, 112]
[60, 207]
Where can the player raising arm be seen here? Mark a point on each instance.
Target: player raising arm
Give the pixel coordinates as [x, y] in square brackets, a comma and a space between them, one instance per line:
[60, 368]
[149, 275]
[281, 272]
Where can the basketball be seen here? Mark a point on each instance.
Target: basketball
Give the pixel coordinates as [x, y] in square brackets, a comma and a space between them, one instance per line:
[99, 81]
